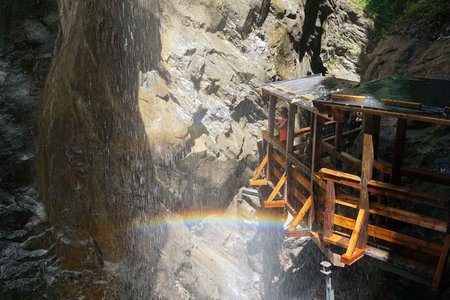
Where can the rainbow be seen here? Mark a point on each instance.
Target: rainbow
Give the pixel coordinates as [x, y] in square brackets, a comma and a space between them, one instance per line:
[222, 217]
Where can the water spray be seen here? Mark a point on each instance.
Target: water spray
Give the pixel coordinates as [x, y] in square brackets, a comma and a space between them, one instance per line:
[326, 270]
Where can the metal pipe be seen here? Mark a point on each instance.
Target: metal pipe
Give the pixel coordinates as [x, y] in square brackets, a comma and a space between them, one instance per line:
[326, 265]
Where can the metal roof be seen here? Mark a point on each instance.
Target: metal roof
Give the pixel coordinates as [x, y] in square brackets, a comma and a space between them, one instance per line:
[424, 99]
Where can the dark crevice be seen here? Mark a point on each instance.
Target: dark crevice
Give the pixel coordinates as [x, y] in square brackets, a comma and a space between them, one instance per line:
[264, 12]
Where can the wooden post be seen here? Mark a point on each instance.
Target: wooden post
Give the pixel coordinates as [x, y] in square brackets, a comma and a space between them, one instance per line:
[272, 105]
[338, 137]
[330, 199]
[289, 148]
[317, 126]
[399, 150]
[366, 175]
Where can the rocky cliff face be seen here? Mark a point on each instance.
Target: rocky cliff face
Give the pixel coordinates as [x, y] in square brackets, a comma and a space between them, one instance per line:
[147, 104]
[416, 45]
[214, 56]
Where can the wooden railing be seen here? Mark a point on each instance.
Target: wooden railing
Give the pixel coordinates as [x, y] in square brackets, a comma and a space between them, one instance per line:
[378, 209]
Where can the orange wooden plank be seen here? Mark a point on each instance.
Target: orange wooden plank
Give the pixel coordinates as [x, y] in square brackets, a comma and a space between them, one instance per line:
[301, 214]
[392, 236]
[442, 259]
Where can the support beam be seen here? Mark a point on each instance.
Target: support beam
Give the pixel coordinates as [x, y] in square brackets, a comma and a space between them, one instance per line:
[366, 175]
[330, 198]
[272, 105]
[289, 149]
[317, 127]
[276, 189]
[301, 214]
[255, 180]
[399, 151]
[442, 262]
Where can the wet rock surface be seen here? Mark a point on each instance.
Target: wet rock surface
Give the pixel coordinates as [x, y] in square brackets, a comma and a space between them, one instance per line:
[27, 240]
[214, 56]
[148, 104]
[413, 47]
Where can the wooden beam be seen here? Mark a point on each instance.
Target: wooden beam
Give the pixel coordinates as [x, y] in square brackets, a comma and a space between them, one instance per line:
[289, 149]
[395, 114]
[385, 189]
[442, 262]
[338, 144]
[291, 157]
[301, 214]
[392, 236]
[399, 151]
[395, 213]
[357, 229]
[317, 127]
[343, 156]
[276, 189]
[334, 258]
[299, 195]
[330, 197]
[260, 168]
[272, 106]
[366, 175]
[302, 180]
[405, 104]
[348, 97]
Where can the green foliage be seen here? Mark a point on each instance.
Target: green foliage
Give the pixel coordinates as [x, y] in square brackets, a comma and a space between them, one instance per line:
[380, 11]
[433, 11]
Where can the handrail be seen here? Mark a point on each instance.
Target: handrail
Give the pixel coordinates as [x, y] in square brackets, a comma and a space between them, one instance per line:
[382, 188]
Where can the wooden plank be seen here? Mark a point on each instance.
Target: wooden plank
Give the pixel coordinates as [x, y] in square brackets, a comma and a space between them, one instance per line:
[334, 258]
[358, 226]
[396, 114]
[392, 236]
[308, 129]
[399, 151]
[441, 264]
[258, 182]
[276, 189]
[405, 104]
[278, 159]
[271, 130]
[317, 127]
[425, 175]
[385, 189]
[338, 144]
[358, 253]
[275, 204]
[348, 97]
[299, 195]
[289, 149]
[396, 214]
[302, 180]
[330, 197]
[301, 214]
[260, 168]
[291, 157]
[342, 156]
[350, 133]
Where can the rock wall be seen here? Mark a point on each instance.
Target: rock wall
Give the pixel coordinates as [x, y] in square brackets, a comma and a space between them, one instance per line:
[414, 46]
[214, 56]
[28, 32]
[155, 103]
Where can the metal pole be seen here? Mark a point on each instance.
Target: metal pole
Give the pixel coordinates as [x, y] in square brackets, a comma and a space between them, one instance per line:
[327, 272]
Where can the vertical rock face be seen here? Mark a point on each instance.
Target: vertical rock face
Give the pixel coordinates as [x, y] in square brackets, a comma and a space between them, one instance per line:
[201, 106]
[95, 166]
[158, 100]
